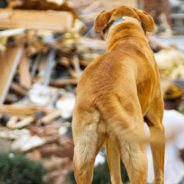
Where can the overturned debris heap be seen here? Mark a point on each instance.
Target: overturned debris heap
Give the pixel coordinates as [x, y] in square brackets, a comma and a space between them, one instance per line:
[42, 54]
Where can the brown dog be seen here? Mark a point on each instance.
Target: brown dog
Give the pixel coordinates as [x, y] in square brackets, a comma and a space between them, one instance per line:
[115, 94]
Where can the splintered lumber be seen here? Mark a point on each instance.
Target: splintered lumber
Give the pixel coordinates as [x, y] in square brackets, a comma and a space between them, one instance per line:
[21, 110]
[76, 64]
[22, 123]
[50, 117]
[25, 76]
[18, 89]
[63, 82]
[12, 121]
[31, 19]
[9, 62]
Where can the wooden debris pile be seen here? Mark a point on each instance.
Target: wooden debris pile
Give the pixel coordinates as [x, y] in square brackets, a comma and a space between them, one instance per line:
[42, 54]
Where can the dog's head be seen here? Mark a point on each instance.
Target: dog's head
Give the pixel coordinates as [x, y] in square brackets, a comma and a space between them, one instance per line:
[106, 18]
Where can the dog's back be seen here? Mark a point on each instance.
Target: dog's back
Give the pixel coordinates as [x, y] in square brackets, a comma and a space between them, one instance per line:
[123, 74]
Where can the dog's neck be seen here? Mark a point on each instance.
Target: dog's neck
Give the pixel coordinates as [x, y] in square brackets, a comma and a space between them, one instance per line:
[125, 30]
[118, 21]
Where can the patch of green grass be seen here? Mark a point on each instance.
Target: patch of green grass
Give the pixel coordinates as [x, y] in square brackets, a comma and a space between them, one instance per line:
[17, 169]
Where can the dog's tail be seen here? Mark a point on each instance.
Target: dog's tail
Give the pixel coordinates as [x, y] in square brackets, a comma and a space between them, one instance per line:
[124, 126]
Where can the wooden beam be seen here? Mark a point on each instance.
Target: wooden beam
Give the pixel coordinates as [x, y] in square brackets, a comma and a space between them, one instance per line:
[9, 62]
[63, 82]
[31, 19]
[24, 73]
[18, 89]
[22, 110]
[22, 123]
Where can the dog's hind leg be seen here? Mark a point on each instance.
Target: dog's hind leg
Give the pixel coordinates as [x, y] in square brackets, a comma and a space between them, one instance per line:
[132, 152]
[154, 121]
[113, 158]
[128, 127]
[134, 158]
[87, 143]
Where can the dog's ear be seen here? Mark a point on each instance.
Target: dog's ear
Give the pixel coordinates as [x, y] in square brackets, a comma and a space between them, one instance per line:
[102, 21]
[146, 20]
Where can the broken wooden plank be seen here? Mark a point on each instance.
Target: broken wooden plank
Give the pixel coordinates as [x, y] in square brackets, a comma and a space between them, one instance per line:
[63, 82]
[12, 121]
[49, 117]
[22, 123]
[24, 73]
[9, 62]
[66, 62]
[31, 19]
[18, 89]
[76, 64]
[22, 110]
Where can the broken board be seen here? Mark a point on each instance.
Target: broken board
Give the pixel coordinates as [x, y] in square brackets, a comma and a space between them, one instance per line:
[31, 19]
[8, 64]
